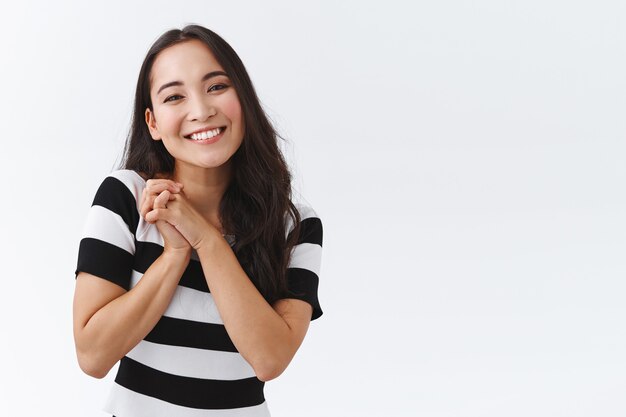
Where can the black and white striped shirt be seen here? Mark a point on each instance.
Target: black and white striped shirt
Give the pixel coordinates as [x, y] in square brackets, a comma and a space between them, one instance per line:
[187, 366]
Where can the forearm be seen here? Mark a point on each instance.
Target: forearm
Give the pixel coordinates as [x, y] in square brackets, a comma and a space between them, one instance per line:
[120, 325]
[260, 335]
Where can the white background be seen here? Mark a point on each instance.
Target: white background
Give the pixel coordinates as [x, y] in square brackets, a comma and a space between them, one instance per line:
[467, 159]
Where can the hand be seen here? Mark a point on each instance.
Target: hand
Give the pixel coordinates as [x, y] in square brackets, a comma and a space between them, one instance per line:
[154, 187]
[180, 214]
[156, 195]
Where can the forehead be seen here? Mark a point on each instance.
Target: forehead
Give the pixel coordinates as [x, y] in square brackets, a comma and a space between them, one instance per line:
[187, 62]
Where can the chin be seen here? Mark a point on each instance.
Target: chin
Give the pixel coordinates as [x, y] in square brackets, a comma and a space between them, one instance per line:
[214, 163]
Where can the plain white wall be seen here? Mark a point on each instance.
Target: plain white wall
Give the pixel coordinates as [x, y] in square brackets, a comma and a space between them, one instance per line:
[466, 159]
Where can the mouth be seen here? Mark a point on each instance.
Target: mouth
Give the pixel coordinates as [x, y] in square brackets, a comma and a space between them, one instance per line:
[206, 135]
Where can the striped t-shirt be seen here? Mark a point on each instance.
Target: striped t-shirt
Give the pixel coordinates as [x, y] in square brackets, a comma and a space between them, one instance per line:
[187, 366]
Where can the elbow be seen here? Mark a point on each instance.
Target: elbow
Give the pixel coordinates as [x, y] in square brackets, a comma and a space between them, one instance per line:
[269, 369]
[90, 366]
[90, 369]
[90, 359]
[267, 374]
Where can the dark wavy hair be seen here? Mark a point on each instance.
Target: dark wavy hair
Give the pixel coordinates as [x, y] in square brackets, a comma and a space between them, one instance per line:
[258, 198]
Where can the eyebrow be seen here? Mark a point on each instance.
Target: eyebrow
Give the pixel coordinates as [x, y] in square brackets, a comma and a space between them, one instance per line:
[206, 77]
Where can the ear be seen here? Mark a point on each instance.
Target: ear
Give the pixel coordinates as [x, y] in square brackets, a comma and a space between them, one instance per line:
[152, 127]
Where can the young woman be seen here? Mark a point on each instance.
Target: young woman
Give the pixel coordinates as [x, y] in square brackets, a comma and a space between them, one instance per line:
[195, 271]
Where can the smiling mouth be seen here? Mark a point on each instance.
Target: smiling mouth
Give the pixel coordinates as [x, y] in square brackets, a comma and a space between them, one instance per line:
[207, 134]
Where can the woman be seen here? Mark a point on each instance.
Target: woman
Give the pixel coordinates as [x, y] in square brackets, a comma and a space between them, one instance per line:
[195, 271]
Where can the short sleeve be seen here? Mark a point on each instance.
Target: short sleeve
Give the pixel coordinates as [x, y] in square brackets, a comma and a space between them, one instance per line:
[107, 245]
[304, 265]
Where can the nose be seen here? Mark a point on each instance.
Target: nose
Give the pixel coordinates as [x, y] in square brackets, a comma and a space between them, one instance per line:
[201, 109]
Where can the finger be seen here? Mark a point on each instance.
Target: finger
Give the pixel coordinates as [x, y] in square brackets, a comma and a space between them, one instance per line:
[158, 214]
[161, 200]
[152, 216]
[159, 203]
[157, 188]
[144, 202]
[160, 178]
[154, 181]
[148, 203]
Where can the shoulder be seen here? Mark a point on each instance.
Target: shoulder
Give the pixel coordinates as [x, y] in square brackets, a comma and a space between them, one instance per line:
[306, 211]
[126, 180]
[120, 185]
[310, 224]
[120, 192]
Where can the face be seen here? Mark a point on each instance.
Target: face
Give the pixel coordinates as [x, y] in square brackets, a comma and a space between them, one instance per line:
[191, 93]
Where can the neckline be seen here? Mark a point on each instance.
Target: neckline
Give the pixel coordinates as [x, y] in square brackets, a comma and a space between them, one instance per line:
[137, 174]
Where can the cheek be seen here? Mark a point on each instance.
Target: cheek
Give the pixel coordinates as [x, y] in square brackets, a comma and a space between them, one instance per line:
[167, 120]
[232, 110]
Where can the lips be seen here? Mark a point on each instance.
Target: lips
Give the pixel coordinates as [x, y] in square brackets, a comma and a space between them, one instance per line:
[205, 130]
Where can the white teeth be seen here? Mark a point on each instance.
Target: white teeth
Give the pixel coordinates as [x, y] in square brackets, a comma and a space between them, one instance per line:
[206, 135]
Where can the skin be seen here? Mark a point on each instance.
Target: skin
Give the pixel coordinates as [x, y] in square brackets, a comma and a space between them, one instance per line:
[184, 208]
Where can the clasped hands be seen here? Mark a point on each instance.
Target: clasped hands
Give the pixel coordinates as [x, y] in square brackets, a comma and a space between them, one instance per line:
[182, 227]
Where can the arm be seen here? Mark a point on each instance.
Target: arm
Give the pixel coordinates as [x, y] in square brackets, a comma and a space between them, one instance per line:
[266, 336]
[110, 321]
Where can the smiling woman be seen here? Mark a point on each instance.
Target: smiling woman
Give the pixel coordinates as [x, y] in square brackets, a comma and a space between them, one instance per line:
[196, 271]
[201, 92]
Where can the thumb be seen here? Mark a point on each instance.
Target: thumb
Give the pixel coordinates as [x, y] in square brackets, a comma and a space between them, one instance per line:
[161, 200]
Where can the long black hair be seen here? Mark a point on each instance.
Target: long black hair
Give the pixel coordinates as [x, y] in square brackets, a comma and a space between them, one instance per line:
[257, 201]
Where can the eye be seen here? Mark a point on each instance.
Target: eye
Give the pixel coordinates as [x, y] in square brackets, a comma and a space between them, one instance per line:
[223, 86]
[172, 96]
